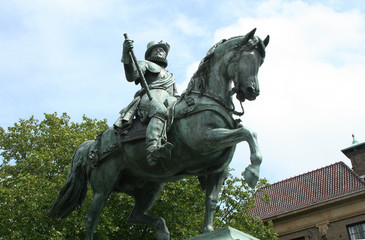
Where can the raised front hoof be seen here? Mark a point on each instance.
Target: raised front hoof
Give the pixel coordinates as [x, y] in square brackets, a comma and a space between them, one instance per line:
[161, 235]
[251, 176]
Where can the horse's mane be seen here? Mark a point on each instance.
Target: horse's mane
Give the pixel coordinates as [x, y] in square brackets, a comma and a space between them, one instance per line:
[198, 80]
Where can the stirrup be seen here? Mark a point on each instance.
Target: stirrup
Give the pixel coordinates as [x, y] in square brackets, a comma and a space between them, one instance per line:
[155, 153]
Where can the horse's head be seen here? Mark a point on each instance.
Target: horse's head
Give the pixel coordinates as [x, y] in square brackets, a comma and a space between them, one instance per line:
[234, 60]
[242, 56]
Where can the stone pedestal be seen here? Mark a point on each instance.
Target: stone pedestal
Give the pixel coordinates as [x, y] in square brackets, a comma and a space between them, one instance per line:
[226, 233]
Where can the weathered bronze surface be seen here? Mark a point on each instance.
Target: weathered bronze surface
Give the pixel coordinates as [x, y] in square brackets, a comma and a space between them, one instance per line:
[194, 134]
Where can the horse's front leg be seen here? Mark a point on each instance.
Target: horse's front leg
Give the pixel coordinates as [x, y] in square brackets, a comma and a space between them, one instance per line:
[214, 184]
[220, 138]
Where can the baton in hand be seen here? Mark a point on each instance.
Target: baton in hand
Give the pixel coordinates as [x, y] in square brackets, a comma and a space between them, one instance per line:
[143, 80]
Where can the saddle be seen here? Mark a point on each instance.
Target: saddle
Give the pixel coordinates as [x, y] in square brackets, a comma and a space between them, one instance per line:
[132, 126]
[136, 131]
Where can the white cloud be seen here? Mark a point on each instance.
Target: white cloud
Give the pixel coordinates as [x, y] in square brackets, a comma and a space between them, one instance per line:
[76, 9]
[191, 69]
[189, 26]
[51, 59]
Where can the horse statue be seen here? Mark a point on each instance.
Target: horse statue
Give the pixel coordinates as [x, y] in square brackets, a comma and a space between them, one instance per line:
[203, 132]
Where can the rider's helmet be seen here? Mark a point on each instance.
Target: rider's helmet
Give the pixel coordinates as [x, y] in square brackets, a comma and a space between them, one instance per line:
[159, 60]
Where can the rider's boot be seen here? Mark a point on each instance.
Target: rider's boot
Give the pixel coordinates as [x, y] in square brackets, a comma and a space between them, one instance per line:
[157, 146]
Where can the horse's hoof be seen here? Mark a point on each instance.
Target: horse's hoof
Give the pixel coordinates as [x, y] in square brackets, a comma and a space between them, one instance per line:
[162, 236]
[251, 176]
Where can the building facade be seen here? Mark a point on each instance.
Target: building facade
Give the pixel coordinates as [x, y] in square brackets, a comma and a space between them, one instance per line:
[327, 203]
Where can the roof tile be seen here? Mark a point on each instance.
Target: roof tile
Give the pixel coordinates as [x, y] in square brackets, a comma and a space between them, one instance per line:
[310, 188]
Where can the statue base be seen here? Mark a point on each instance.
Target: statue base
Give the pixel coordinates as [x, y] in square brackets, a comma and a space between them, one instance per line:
[226, 233]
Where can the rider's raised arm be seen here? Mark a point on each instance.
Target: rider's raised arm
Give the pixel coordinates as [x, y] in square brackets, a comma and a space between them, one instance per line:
[130, 69]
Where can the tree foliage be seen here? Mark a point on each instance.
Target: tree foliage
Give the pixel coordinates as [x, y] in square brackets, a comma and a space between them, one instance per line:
[35, 157]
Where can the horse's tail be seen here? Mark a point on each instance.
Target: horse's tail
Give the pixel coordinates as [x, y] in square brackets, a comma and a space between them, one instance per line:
[74, 191]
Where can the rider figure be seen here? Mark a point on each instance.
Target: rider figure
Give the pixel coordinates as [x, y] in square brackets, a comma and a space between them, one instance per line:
[163, 91]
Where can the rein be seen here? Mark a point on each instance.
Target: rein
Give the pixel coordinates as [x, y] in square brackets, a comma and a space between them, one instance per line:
[228, 106]
[235, 84]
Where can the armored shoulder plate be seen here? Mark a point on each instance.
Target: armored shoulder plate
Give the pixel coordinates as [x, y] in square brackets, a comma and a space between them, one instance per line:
[150, 66]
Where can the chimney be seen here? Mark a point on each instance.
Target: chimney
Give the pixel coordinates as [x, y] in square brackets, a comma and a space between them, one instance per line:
[356, 153]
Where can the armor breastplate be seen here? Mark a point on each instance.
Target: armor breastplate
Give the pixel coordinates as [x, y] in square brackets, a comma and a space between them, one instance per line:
[156, 76]
[153, 76]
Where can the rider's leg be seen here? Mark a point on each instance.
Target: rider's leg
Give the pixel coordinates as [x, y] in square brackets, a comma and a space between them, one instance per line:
[156, 142]
[156, 110]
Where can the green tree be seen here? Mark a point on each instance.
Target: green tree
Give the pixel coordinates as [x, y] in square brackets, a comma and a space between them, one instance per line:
[35, 157]
[236, 201]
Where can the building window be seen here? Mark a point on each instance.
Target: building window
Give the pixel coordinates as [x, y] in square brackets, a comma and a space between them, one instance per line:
[356, 231]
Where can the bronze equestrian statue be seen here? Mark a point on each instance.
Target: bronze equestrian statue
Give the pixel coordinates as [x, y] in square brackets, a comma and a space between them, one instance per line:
[199, 125]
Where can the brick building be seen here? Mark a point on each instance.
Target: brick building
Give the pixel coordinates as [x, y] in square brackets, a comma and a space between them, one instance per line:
[327, 203]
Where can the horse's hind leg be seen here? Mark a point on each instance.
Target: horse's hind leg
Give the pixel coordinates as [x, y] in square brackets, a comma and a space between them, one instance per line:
[92, 216]
[102, 181]
[214, 184]
[144, 199]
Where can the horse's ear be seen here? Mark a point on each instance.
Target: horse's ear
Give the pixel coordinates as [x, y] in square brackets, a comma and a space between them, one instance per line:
[248, 36]
[266, 40]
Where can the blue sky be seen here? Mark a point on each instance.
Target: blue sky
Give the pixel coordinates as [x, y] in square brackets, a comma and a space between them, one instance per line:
[64, 56]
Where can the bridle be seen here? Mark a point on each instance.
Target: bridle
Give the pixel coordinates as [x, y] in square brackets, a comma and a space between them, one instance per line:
[238, 49]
